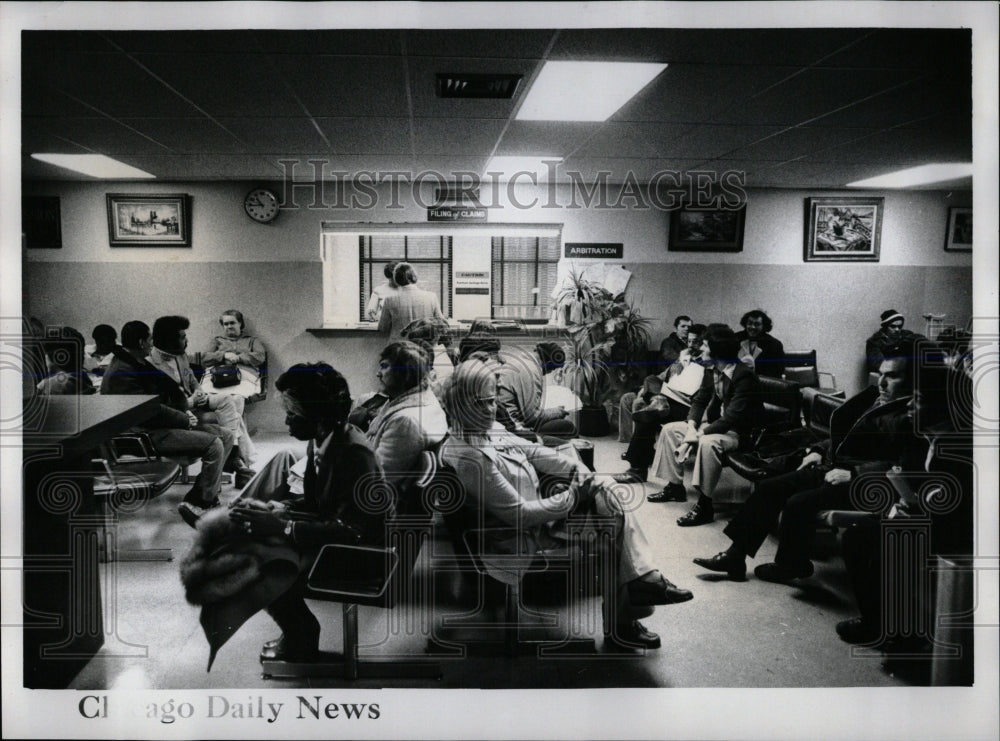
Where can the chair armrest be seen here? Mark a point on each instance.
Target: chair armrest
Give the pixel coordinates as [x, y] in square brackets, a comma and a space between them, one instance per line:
[833, 379]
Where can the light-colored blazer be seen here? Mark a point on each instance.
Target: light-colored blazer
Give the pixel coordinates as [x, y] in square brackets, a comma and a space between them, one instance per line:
[404, 306]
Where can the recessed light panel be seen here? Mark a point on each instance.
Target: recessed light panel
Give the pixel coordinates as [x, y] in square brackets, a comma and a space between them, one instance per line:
[585, 91]
[938, 172]
[95, 165]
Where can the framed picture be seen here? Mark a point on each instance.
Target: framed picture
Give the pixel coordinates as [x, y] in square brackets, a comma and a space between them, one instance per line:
[843, 229]
[959, 237]
[706, 230]
[156, 220]
[41, 222]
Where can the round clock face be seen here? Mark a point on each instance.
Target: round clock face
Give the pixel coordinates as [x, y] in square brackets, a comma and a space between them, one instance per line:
[261, 205]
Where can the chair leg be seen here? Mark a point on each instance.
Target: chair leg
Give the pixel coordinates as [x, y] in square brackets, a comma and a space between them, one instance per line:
[350, 664]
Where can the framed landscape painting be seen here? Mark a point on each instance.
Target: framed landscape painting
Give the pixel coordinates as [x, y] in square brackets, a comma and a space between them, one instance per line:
[156, 220]
[843, 229]
[707, 230]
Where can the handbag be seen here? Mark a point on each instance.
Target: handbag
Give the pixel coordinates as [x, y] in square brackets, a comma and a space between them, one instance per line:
[224, 376]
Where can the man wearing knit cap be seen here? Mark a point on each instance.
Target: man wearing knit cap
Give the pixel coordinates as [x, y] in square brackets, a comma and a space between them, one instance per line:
[888, 334]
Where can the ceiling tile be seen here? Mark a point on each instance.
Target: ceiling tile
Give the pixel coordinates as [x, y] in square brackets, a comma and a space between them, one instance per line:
[907, 48]
[546, 137]
[479, 44]
[275, 135]
[367, 135]
[187, 135]
[710, 142]
[461, 136]
[752, 47]
[811, 94]
[618, 169]
[338, 86]
[689, 93]
[205, 167]
[797, 142]
[226, 84]
[643, 139]
[95, 134]
[345, 42]
[184, 42]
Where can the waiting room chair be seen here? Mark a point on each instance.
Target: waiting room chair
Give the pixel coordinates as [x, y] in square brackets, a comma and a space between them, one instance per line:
[800, 366]
[371, 576]
[127, 483]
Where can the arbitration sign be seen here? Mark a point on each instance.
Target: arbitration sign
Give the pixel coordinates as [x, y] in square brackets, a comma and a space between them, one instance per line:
[599, 250]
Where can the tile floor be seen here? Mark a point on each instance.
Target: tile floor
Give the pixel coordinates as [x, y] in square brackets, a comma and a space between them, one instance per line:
[752, 634]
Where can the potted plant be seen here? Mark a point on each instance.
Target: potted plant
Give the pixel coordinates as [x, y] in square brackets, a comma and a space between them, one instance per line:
[608, 334]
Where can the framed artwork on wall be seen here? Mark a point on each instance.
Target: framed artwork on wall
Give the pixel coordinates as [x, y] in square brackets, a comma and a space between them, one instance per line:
[843, 229]
[41, 222]
[706, 230]
[959, 237]
[153, 220]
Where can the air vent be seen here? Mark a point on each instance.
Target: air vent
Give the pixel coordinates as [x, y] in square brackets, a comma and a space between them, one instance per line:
[476, 85]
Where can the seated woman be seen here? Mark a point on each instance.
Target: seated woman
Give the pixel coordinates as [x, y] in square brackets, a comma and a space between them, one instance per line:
[411, 420]
[255, 555]
[64, 363]
[500, 471]
[234, 348]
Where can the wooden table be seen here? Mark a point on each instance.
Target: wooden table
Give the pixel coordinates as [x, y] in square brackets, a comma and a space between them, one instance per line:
[63, 617]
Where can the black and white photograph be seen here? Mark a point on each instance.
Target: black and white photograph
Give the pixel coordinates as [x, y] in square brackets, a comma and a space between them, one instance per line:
[499, 370]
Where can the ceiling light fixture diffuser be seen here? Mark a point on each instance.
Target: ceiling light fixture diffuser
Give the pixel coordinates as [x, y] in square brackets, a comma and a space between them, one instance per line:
[585, 91]
[95, 165]
[938, 172]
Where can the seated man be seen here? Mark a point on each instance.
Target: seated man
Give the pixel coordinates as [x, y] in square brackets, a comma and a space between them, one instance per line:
[521, 388]
[890, 332]
[169, 355]
[938, 486]
[173, 430]
[670, 404]
[869, 432]
[234, 348]
[674, 343]
[64, 362]
[723, 413]
[295, 516]
[97, 356]
[758, 349]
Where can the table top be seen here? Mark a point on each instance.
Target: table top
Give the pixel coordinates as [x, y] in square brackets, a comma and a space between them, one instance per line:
[83, 421]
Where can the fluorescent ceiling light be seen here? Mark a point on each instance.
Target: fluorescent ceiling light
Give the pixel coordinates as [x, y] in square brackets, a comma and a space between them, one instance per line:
[938, 172]
[584, 91]
[95, 165]
[509, 166]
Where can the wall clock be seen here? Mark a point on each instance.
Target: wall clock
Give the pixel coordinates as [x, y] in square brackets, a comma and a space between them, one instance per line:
[261, 205]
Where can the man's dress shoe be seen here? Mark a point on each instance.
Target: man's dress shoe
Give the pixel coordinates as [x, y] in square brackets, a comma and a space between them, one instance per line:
[631, 476]
[631, 635]
[670, 493]
[782, 574]
[697, 516]
[732, 566]
[657, 591]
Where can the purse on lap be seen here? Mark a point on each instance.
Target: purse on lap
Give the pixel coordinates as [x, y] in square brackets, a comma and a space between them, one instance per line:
[224, 376]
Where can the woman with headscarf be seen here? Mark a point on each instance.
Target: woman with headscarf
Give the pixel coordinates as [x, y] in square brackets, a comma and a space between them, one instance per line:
[500, 471]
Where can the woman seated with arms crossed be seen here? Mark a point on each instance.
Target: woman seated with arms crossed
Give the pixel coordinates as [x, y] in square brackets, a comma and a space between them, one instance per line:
[411, 420]
[500, 472]
[255, 555]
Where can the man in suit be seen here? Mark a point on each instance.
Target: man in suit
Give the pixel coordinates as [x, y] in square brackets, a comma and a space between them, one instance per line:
[723, 412]
[868, 434]
[173, 430]
[759, 350]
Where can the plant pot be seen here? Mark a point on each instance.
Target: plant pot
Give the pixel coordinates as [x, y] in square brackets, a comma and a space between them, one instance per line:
[593, 422]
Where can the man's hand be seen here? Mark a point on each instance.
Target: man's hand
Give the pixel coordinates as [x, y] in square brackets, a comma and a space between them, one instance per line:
[231, 357]
[813, 459]
[837, 476]
[192, 420]
[257, 523]
[692, 435]
[198, 398]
